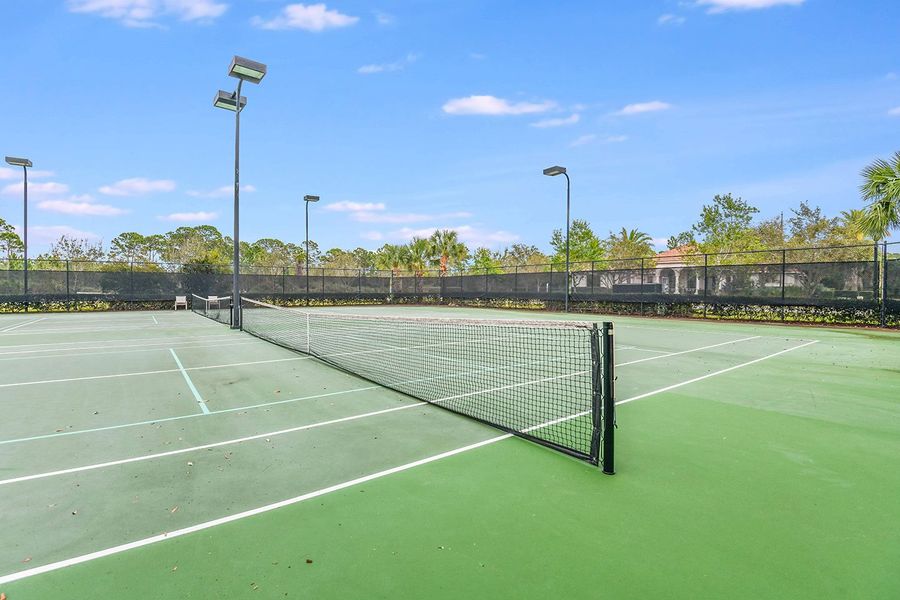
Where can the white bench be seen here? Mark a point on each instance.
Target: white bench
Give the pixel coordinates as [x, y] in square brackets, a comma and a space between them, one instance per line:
[181, 301]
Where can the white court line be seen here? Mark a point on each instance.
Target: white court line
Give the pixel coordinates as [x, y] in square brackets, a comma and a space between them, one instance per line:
[708, 375]
[242, 515]
[315, 494]
[248, 438]
[144, 327]
[22, 324]
[151, 341]
[190, 416]
[203, 408]
[641, 349]
[633, 362]
[154, 319]
[158, 372]
[67, 354]
[144, 457]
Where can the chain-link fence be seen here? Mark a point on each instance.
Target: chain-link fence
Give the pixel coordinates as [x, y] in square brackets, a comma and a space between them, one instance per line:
[862, 277]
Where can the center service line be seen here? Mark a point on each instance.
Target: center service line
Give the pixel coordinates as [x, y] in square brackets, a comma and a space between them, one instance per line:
[190, 383]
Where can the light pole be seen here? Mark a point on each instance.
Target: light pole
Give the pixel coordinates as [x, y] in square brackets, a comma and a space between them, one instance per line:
[307, 199]
[252, 71]
[25, 164]
[553, 172]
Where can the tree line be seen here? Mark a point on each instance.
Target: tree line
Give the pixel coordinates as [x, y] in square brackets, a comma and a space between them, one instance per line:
[726, 226]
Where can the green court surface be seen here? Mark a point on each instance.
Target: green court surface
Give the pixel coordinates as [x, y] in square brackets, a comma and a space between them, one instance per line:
[160, 454]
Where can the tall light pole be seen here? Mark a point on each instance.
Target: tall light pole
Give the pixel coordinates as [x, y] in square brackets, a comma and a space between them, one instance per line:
[553, 172]
[244, 70]
[25, 164]
[307, 199]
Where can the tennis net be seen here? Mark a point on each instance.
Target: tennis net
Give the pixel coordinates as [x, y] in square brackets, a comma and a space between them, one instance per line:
[217, 308]
[548, 381]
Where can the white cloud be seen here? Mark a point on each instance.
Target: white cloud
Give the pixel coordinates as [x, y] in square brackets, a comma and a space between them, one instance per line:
[470, 235]
[894, 112]
[348, 206]
[560, 122]
[136, 186]
[644, 107]
[80, 205]
[143, 13]
[310, 17]
[374, 236]
[220, 192]
[37, 189]
[7, 173]
[614, 139]
[388, 67]
[720, 6]
[491, 105]
[46, 234]
[477, 56]
[670, 20]
[191, 217]
[582, 140]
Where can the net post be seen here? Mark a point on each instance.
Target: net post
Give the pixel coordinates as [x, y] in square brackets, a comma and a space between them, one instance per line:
[603, 404]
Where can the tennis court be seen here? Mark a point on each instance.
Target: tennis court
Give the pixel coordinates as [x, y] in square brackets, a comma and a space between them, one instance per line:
[161, 453]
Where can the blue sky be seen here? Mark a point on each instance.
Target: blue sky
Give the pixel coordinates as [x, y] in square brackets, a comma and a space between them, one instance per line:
[410, 116]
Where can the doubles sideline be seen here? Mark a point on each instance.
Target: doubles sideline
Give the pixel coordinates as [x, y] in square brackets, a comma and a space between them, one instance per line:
[340, 486]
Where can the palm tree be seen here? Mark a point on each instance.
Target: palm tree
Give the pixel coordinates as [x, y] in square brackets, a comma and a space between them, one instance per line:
[881, 189]
[390, 257]
[445, 245]
[853, 221]
[418, 255]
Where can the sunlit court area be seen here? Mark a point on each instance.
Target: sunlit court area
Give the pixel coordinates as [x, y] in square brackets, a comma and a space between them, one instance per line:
[450, 300]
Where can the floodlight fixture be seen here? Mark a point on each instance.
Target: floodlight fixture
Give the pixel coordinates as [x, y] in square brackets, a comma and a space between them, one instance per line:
[311, 198]
[18, 162]
[246, 69]
[226, 100]
[554, 171]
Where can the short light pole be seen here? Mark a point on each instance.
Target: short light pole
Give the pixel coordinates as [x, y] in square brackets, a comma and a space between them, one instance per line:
[307, 199]
[553, 172]
[25, 164]
[252, 71]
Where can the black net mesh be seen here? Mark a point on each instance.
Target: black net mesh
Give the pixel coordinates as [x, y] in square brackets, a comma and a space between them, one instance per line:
[532, 378]
[213, 307]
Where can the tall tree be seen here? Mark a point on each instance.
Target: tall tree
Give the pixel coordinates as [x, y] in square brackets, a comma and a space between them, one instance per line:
[418, 255]
[524, 255]
[447, 248]
[10, 243]
[725, 226]
[76, 249]
[628, 244]
[584, 245]
[809, 227]
[486, 261]
[391, 257]
[685, 238]
[881, 189]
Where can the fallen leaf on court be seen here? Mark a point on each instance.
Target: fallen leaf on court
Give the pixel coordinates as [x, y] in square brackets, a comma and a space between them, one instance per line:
[277, 391]
[174, 509]
[27, 559]
[175, 568]
[309, 561]
[190, 463]
[2, 596]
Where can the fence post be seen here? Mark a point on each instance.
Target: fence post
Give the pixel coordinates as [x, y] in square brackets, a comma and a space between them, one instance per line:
[550, 285]
[131, 281]
[283, 281]
[641, 287]
[323, 285]
[486, 271]
[705, 282]
[516, 283]
[359, 285]
[884, 280]
[877, 265]
[593, 276]
[68, 296]
[391, 284]
[783, 277]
